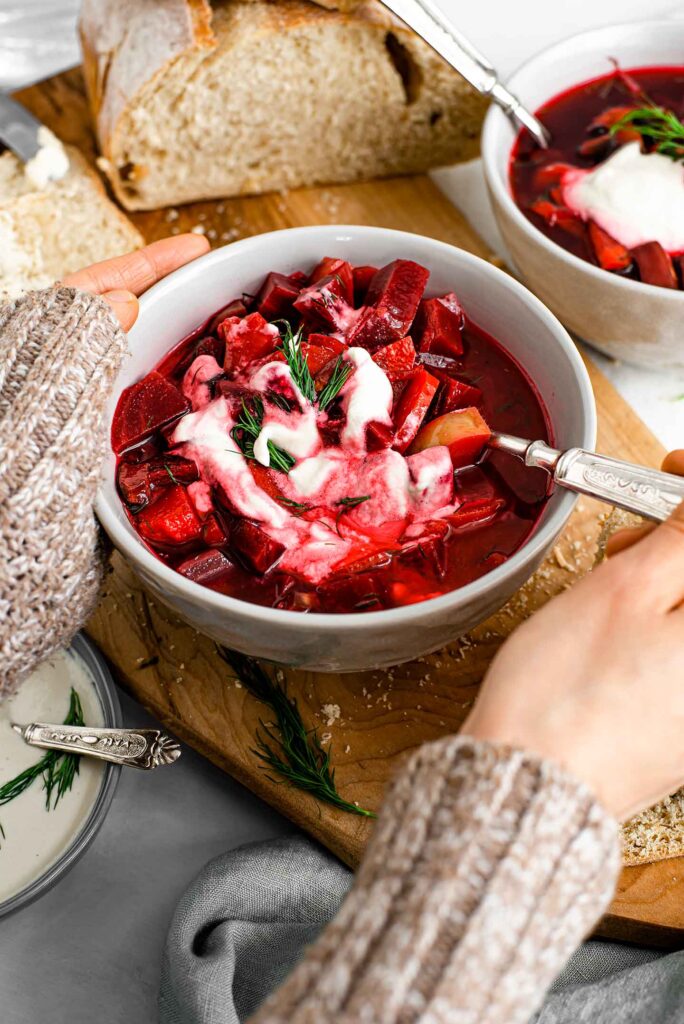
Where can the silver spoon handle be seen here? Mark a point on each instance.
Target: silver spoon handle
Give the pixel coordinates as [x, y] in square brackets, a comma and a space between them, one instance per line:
[647, 492]
[136, 748]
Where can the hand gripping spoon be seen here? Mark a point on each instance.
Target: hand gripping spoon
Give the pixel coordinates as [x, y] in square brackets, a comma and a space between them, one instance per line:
[647, 492]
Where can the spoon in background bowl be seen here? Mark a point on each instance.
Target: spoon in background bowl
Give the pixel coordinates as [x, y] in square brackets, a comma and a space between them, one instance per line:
[646, 492]
[433, 26]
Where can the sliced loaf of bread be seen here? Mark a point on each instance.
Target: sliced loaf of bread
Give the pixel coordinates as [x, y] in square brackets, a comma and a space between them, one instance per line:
[196, 101]
[45, 234]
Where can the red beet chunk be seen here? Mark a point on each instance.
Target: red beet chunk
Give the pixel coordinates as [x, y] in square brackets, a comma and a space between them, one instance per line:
[378, 436]
[392, 300]
[550, 175]
[412, 407]
[598, 148]
[558, 216]
[355, 563]
[340, 269]
[655, 266]
[276, 296]
[474, 487]
[397, 358]
[453, 393]
[234, 308]
[254, 546]
[267, 479]
[355, 593]
[430, 547]
[608, 117]
[206, 567]
[138, 482]
[171, 520]
[143, 408]
[610, 254]
[477, 512]
[299, 278]
[321, 349]
[327, 341]
[324, 303]
[210, 347]
[246, 340]
[362, 279]
[439, 326]
[213, 533]
[464, 432]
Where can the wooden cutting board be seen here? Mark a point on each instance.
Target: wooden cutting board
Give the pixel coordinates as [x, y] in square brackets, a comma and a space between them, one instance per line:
[370, 720]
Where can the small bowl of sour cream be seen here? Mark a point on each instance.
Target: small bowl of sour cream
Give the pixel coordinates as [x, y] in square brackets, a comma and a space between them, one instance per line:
[38, 845]
[595, 225]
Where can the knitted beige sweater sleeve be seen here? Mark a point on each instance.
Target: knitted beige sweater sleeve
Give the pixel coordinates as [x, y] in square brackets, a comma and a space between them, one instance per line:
[486, 870]
[59, 352]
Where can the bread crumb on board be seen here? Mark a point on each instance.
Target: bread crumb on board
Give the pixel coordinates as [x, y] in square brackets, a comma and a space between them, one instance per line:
[331, 712]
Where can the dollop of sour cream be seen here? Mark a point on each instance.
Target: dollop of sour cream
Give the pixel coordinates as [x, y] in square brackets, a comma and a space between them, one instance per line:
[636, 197]
[378, 492]
[50, 163]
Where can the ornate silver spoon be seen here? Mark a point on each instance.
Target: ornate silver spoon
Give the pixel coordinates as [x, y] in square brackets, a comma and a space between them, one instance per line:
[647, 492]
[137, 748]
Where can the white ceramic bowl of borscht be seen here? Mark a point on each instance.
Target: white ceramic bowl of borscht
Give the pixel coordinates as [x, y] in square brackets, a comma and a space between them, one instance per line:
[345, 513]
[595, 226]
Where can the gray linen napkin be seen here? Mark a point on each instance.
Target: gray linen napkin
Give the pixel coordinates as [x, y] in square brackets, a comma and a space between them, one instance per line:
[245, 921]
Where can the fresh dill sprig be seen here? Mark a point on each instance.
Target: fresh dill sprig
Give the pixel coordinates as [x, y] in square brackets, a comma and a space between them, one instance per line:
[288, 748]
[352, 502]
[280, 400]
[291, 344]
[658, 124]
[345, 504]
[57, 770]
[338, 379]
[297, 507]
[248, 428]
[170, 472]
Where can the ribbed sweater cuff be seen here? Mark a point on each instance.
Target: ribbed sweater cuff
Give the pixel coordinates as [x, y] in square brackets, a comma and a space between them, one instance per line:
[60, 350]
[486, 870]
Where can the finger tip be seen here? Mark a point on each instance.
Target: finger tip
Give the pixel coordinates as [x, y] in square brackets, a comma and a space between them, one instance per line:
[192, 241]
[125, 306]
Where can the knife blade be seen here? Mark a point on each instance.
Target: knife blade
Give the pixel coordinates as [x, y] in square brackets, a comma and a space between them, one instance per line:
[18, 129]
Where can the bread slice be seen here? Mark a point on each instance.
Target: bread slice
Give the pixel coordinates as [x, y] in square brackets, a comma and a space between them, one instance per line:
[655, 834]
[49, 233]
[197, 102]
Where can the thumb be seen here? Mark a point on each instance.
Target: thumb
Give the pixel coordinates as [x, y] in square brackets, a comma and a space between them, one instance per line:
[125, 307]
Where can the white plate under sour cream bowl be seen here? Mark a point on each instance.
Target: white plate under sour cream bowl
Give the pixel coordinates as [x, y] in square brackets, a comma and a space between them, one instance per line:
[496, 302]
[631, 321]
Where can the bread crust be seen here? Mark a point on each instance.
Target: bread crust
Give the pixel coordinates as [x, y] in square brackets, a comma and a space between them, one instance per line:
[127, 43]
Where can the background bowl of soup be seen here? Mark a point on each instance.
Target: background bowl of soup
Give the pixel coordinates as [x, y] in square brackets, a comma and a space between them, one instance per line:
[625, 318]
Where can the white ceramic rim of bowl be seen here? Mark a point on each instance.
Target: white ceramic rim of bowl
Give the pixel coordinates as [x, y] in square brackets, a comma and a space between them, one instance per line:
[128, 542]
[496, 122]
[111, 710]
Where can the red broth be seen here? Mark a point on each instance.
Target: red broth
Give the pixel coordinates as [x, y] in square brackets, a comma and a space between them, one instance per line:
[569, 118]
[501, 500]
